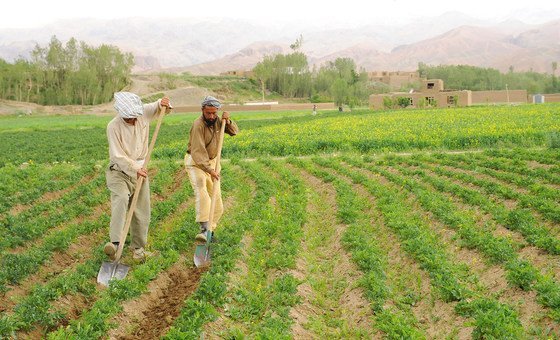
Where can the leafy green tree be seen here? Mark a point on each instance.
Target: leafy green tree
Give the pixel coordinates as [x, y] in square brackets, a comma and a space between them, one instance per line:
[297, 44]
[263, 72]
[403, 101]
[465, 77]
[555, 86]
[287, 74]
[340, 92]
[60, 74]
[388, 102]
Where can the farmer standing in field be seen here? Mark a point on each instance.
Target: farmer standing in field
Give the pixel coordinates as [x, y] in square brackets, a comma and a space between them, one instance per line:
[200, 161]
[128, 135]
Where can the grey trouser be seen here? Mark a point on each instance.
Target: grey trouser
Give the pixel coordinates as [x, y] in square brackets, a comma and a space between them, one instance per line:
[122, 188]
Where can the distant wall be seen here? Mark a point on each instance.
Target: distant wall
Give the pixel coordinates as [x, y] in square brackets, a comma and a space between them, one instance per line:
[433, 92]
[279, 107]
[551, 98]
[499, 97]
[440, 99]
[395, 80]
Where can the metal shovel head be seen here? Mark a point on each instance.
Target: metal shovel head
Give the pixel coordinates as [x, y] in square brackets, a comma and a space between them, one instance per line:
[111, 270]
[202, 252]
[201, 255]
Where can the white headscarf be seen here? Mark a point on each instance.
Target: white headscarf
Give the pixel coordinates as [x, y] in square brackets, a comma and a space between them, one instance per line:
[128, 105]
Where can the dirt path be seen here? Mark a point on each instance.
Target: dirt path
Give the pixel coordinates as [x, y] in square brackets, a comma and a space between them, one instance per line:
[406, 279]
[151, 315]
[492, 277]
[214, 329]
[329, 289]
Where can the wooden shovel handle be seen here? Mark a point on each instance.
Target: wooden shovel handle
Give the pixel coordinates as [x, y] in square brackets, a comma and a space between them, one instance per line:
[139, 183]
[216, 183]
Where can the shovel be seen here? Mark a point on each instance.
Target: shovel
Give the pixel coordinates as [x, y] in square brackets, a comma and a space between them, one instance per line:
[202, 255]
[116, 270]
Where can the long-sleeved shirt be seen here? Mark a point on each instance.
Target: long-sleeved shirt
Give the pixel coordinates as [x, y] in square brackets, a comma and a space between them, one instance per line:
[128, 144]
[204, 140]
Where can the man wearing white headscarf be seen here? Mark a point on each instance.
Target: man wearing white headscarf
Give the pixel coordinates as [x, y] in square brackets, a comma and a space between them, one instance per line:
[200, 161]
[128, 135]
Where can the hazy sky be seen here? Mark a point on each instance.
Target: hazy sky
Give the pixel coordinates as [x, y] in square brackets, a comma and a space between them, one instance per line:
[30, 13]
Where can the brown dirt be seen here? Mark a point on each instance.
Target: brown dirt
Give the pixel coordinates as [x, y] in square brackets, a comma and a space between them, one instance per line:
[73, 305]
[547, 263]
[37, 333]
[302, 312]
[214, 329]
[150, 316]
[354, 308]
[537, 165]
[493, 279]
[435, 317]
[510, 204]
[481, 218]
[18, 209]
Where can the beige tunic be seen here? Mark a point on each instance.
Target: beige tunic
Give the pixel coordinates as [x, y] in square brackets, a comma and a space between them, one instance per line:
[203, 141]
[128, 144]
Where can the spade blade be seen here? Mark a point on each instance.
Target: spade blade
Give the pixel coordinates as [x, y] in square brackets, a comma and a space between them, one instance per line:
[111, 270]
[202, 251]
[202, 255]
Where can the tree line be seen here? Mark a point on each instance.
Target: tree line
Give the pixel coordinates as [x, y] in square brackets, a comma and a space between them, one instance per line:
[289, 75]
[465, 77]
[340, 80]
[74, 73]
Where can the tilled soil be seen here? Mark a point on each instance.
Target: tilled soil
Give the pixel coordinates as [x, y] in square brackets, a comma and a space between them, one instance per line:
[150, 316]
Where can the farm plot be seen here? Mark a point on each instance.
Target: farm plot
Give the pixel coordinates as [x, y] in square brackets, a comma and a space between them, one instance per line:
[350, 245]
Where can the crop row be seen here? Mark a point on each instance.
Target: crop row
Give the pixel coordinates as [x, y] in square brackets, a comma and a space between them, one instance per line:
[491, 318]
[260, 304]
[24, 185]
[517, 219]
[520, 272]
[35, 309]
[34, 222]
[360, 239]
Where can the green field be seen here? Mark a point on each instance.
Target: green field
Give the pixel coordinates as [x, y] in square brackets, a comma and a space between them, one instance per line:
[417, 224]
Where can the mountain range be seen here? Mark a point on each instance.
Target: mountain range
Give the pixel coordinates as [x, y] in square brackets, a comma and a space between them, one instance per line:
[211, 46]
